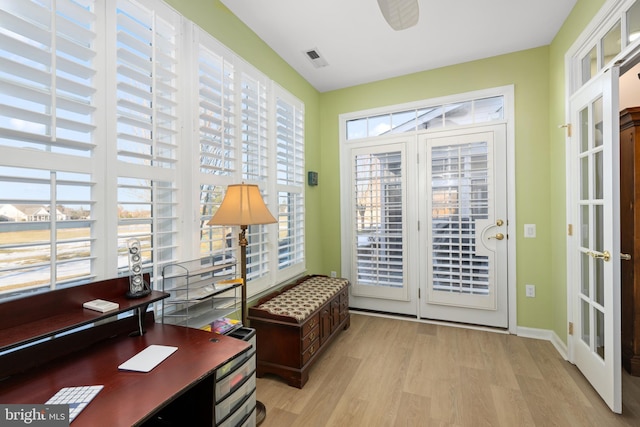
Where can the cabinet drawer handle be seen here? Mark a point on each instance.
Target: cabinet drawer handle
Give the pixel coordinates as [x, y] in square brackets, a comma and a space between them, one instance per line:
[312, 323]
[312, 336]
[312, 350]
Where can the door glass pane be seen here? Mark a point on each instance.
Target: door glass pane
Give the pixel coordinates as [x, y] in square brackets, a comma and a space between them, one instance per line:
[599, 333]
[488, 109]
[585, 322]
[459, 198]
[611, 43]
[404, 121]
[589, 65]
[357, 128]
[584, 130]
[597, 122]
[584, 178]
[633, 22]
[597, 176]
[598, 224]
[458, 114]
[584, 273]
[584, 226]
[379, 125]
[599, 281]
[379, 226]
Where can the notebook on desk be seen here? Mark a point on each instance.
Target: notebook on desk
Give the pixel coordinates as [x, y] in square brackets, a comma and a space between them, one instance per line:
[148, 358]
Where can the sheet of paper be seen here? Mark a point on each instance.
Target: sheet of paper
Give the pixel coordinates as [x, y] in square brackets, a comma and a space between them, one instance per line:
[148, 358]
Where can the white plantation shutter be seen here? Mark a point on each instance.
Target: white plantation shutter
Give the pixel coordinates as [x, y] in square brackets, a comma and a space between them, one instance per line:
[290, 183]
[45, 232]
[47, 108]
[378, 205]
[46, 75]
[218, 149]
[255, 169]
[147, 81]
[216, 116]
[146, 85]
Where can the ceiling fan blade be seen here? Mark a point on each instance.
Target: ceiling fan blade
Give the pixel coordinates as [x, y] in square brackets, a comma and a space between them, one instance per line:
[400, 14]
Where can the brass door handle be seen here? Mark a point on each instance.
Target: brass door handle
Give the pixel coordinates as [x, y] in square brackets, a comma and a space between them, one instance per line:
[606, 256]
[626, 257]
[498, 236]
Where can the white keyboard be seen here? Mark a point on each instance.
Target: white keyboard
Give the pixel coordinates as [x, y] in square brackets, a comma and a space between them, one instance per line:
[76, 397]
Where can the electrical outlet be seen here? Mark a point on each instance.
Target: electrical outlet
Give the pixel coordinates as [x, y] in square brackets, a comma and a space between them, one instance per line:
[530, 291]
[334, 274]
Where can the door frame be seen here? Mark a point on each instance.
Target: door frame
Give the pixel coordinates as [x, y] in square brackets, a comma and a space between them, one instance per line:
[508, 92]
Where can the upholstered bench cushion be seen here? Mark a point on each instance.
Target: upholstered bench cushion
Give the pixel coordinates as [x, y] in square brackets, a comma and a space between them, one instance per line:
[304, 298]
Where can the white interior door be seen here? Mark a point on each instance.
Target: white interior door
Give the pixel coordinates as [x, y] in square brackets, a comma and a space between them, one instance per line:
[594, 249]
[465, 250]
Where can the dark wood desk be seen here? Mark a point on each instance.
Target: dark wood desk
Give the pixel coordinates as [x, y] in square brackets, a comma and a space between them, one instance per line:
[49, 341]
[182, 385]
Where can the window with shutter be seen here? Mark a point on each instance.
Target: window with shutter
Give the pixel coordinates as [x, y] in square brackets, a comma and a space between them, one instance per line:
[290, 183]
[109, 83]
[47, 110]
[147, 131]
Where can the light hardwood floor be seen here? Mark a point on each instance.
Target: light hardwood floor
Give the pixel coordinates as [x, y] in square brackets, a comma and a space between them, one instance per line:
[388, 372]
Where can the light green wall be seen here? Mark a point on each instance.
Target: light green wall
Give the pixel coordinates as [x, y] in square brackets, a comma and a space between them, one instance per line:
[215, 18]
[582, 14]
[538, 77]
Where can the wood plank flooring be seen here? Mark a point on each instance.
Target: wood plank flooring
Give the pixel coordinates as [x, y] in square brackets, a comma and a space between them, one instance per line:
[388, 372]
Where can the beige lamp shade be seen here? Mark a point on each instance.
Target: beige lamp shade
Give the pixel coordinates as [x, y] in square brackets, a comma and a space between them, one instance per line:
[242, 205]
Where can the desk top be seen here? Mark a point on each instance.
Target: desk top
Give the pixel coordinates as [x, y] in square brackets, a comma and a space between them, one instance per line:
[127, 398]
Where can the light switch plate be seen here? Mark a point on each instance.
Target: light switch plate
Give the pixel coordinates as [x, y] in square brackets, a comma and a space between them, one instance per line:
[529, 231]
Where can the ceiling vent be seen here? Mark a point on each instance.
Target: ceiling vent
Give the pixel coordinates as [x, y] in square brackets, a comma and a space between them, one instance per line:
[316, 59]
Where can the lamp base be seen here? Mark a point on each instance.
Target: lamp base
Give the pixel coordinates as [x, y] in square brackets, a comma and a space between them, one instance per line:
[261, 412]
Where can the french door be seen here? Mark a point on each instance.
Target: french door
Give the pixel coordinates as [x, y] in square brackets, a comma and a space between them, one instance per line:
[464, 252]
[594, 248]
[428, 226]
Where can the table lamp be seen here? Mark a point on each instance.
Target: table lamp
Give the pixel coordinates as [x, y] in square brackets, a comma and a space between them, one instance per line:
[242, 205]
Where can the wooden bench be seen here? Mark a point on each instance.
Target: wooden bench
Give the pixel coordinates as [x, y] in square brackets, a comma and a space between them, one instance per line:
[295, 325]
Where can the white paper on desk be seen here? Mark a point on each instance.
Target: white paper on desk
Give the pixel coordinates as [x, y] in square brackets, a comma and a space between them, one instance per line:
[148, 358]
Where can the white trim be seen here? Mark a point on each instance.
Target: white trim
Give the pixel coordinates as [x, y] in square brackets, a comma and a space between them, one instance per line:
[545, 335]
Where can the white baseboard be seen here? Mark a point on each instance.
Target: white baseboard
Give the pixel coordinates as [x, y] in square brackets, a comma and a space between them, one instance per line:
[544, 334]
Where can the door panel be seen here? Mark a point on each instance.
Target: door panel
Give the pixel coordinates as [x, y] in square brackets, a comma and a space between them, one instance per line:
[379, 225]
[466, 245]
[595, 249]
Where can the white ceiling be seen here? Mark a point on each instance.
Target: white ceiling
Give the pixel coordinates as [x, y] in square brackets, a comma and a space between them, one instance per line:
[360, 47]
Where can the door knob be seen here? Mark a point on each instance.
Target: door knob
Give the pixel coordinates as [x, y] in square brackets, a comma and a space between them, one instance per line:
[498, 236]
[626, 257]
[606, 256]
[499, 222]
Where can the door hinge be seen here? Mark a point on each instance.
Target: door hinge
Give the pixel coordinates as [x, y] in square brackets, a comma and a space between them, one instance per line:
[568, 127]
[570, 229]
[418, 293]
[570, 328]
